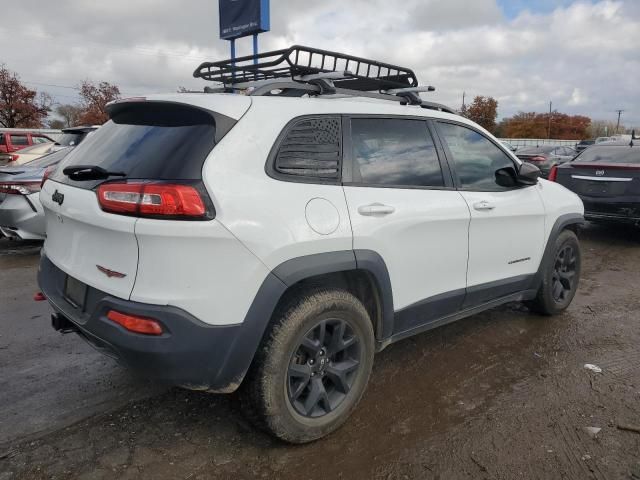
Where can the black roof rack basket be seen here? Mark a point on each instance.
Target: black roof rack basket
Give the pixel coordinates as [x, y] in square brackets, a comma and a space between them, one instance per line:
[364, 75]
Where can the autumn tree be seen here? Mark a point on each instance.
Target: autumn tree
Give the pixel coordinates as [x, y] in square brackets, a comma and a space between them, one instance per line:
[56, 124]
[559, 126]
[70, 114]
[94, 99]
[21, 107]
[483, 111]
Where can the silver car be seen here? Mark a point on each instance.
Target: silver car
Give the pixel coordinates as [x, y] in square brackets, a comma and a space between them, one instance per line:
[21, 215]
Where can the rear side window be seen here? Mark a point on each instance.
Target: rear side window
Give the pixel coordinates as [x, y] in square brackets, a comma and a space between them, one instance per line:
[40, 139]
[394, 152]
[19, 140]
[147, 140]
[311, 150]
[476, 158]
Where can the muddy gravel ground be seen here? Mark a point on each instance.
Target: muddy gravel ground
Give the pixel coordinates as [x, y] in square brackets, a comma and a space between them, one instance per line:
[502, 395]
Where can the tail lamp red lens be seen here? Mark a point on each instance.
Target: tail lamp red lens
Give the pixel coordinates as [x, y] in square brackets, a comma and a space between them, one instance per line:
[14, 158]
[537, 159]
[553, 174]
[19, 188]
[149, 199]
[135, 324]
[47, 174]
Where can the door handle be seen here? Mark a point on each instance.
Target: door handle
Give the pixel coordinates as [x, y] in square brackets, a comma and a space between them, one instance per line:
[484, 205]
[376, 209]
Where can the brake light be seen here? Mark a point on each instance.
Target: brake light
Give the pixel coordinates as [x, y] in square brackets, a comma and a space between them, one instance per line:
[47, 174]
[14, 158]
[19, 188]
[537, 159]
[553, 174]
[152, 199]
[135, 324]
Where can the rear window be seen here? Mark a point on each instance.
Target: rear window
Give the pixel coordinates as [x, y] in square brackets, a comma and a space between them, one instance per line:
[148, 140]
[50, 159]
[617, 154]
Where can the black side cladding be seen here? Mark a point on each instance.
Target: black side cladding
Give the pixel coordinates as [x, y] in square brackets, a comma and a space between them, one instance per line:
[310, 148]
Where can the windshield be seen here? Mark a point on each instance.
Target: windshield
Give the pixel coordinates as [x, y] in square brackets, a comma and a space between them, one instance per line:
[70, 139]
[613, 154]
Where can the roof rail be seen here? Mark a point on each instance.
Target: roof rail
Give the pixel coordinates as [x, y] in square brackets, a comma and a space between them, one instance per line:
[365, 75]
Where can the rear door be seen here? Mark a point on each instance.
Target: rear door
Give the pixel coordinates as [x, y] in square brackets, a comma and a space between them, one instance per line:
[506, 234]
[145, 141]
[403, 206]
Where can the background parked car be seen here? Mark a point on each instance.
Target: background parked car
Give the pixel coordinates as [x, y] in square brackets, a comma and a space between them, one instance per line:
[14, 141]
[21, 214]
[508, 145]
[546, 156]
[583, 144]
[607, 179]
[602, 139]
[70, 138]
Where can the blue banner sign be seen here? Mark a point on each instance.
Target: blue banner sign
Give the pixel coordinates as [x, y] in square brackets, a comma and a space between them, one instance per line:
[239, 18]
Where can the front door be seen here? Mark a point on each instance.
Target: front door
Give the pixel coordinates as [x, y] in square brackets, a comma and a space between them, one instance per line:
[403, 206]
[506, 234]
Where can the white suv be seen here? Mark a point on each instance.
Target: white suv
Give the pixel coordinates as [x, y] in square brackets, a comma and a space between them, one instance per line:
[274, 241]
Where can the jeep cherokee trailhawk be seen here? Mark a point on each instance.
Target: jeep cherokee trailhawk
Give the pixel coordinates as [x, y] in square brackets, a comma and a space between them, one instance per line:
[271, 234]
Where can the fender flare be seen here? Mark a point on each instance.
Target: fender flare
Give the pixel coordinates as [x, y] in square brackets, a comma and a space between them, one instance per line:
[561, 223]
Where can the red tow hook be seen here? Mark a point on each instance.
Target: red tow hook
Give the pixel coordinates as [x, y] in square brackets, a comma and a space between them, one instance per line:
[39, 297]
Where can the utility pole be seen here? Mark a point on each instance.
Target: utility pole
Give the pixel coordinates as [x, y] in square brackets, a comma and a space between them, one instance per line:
[464, 108]
[549, 128]
[618, 124]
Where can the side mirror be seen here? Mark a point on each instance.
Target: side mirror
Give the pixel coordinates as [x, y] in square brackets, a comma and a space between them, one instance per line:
[528, 174]
[507, 177]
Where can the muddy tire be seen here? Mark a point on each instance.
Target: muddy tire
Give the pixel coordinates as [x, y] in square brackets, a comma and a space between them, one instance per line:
[312, 367]
[560, 276]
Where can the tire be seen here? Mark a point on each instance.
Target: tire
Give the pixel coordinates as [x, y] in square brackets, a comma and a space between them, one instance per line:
[561, 270]
[283, 391]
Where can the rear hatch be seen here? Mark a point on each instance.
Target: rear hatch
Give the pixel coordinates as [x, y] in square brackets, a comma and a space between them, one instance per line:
[91, 210]
[606, 178]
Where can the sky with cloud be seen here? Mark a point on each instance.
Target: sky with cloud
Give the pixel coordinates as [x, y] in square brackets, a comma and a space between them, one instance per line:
[584, 56]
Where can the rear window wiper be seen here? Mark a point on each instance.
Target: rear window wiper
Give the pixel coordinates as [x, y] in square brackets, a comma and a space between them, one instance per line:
[90, 172]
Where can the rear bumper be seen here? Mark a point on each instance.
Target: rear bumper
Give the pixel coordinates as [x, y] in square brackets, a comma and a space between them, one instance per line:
[22, 217]
[612, 209]
[189, 353]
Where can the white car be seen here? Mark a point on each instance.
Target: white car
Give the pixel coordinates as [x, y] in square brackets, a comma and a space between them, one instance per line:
[274, 241]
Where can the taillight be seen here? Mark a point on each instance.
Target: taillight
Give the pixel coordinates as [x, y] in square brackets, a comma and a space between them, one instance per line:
[537, 159]
[553, 174]
[19, 188]
[14, 157]
[47, 174]
[135, 324]
[152, 199]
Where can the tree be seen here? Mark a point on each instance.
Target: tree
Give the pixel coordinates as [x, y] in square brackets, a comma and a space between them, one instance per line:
[70, 114]
[94, 99]
[536, 125]
[21, 107]
[56, 124]
[483, 111]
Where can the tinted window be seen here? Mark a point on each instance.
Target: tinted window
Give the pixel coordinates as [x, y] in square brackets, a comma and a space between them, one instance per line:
[617, 154]
[475, 157]
[19, 140]
[394, 152]
[311, 148]
[147, 141]
[1, 137]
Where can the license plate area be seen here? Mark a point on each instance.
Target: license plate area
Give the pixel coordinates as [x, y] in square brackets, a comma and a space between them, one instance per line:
[75, 292]
[596, 188]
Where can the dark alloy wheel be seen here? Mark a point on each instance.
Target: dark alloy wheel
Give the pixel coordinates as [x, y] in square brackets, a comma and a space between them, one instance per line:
[312, 367]
[560, 275]
[322, 368]
[564, 272]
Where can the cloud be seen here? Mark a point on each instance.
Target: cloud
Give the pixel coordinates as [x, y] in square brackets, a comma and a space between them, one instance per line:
[580, 55]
